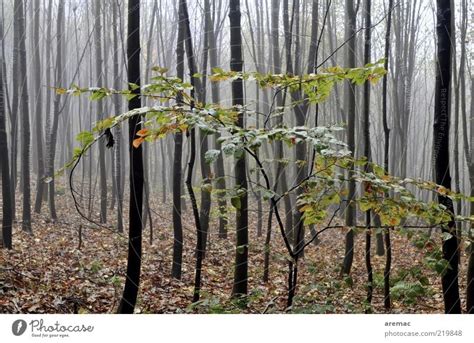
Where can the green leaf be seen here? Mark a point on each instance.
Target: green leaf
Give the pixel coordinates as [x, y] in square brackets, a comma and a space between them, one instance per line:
[160, 70]
[133, 86]
[211, 156]
[98, 94]
[235, 201]
[267, 194]
[85, 138]
[241, 248]
[447, 236]
[206, 187]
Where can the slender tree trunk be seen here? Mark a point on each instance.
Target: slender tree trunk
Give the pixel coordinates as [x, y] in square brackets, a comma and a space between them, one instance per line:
[205, 167]
[52, 131]
[367, 151]
[349, 105]
[441, 153]
[100, 110]
[38, 109]
[386, 130]
[16, 80]
[200, 233]
[25, 119]
[177, 163]
[236, 63]
[7, 213]
[118, 130]
[130, 292]
[470, 158]
[219, 166]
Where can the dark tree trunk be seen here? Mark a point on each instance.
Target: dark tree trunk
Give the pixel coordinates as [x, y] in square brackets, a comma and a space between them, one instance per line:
[130, 292]
[205, 167]
[52, 132]
[236, 62]
[25, 119]
[349, 100]
[40, 185]
[367, 151]
[7, 214]
[449, 280]
[177, 163]
[200, 233]
[386, 130]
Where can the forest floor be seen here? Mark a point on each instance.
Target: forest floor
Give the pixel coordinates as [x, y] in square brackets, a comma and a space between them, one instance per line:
[47, 272]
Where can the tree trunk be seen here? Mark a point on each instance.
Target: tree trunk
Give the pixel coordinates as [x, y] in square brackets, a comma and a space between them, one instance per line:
[367, 151]
[441, 153]
[25, 119]
[130, 292]
[118, 130]
[100, 110]
[349, 105]
[7, 213]
[205, 167]
[236, 63]
[40, 185]
[52, 131]
[219, 167]
[177, 164]
[386, 130]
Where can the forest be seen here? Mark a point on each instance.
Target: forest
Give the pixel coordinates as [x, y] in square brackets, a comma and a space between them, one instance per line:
[236, 156]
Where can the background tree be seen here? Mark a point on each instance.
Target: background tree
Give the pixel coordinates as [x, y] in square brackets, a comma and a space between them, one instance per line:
[25, 119]
[100, 107]
[38, 96]
[52, 126]
[7, 218]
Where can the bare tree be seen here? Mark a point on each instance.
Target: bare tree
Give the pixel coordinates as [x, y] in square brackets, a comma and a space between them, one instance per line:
[349, 108]
[449, 279]
[38, 96]
[100, 108]
[130, 291]
[25, 119]
[7, 213]
[236, 63]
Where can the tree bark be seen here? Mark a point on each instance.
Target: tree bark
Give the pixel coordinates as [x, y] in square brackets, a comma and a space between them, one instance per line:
[367, 151]
[177, 163]
[118, 130]
[25, 119]
[386, 130]
[7, 213]
[449, 280]
[40, 185]
[130, 292]
[236, 63]
[349, 105]
[100, 110]
[52, 127]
